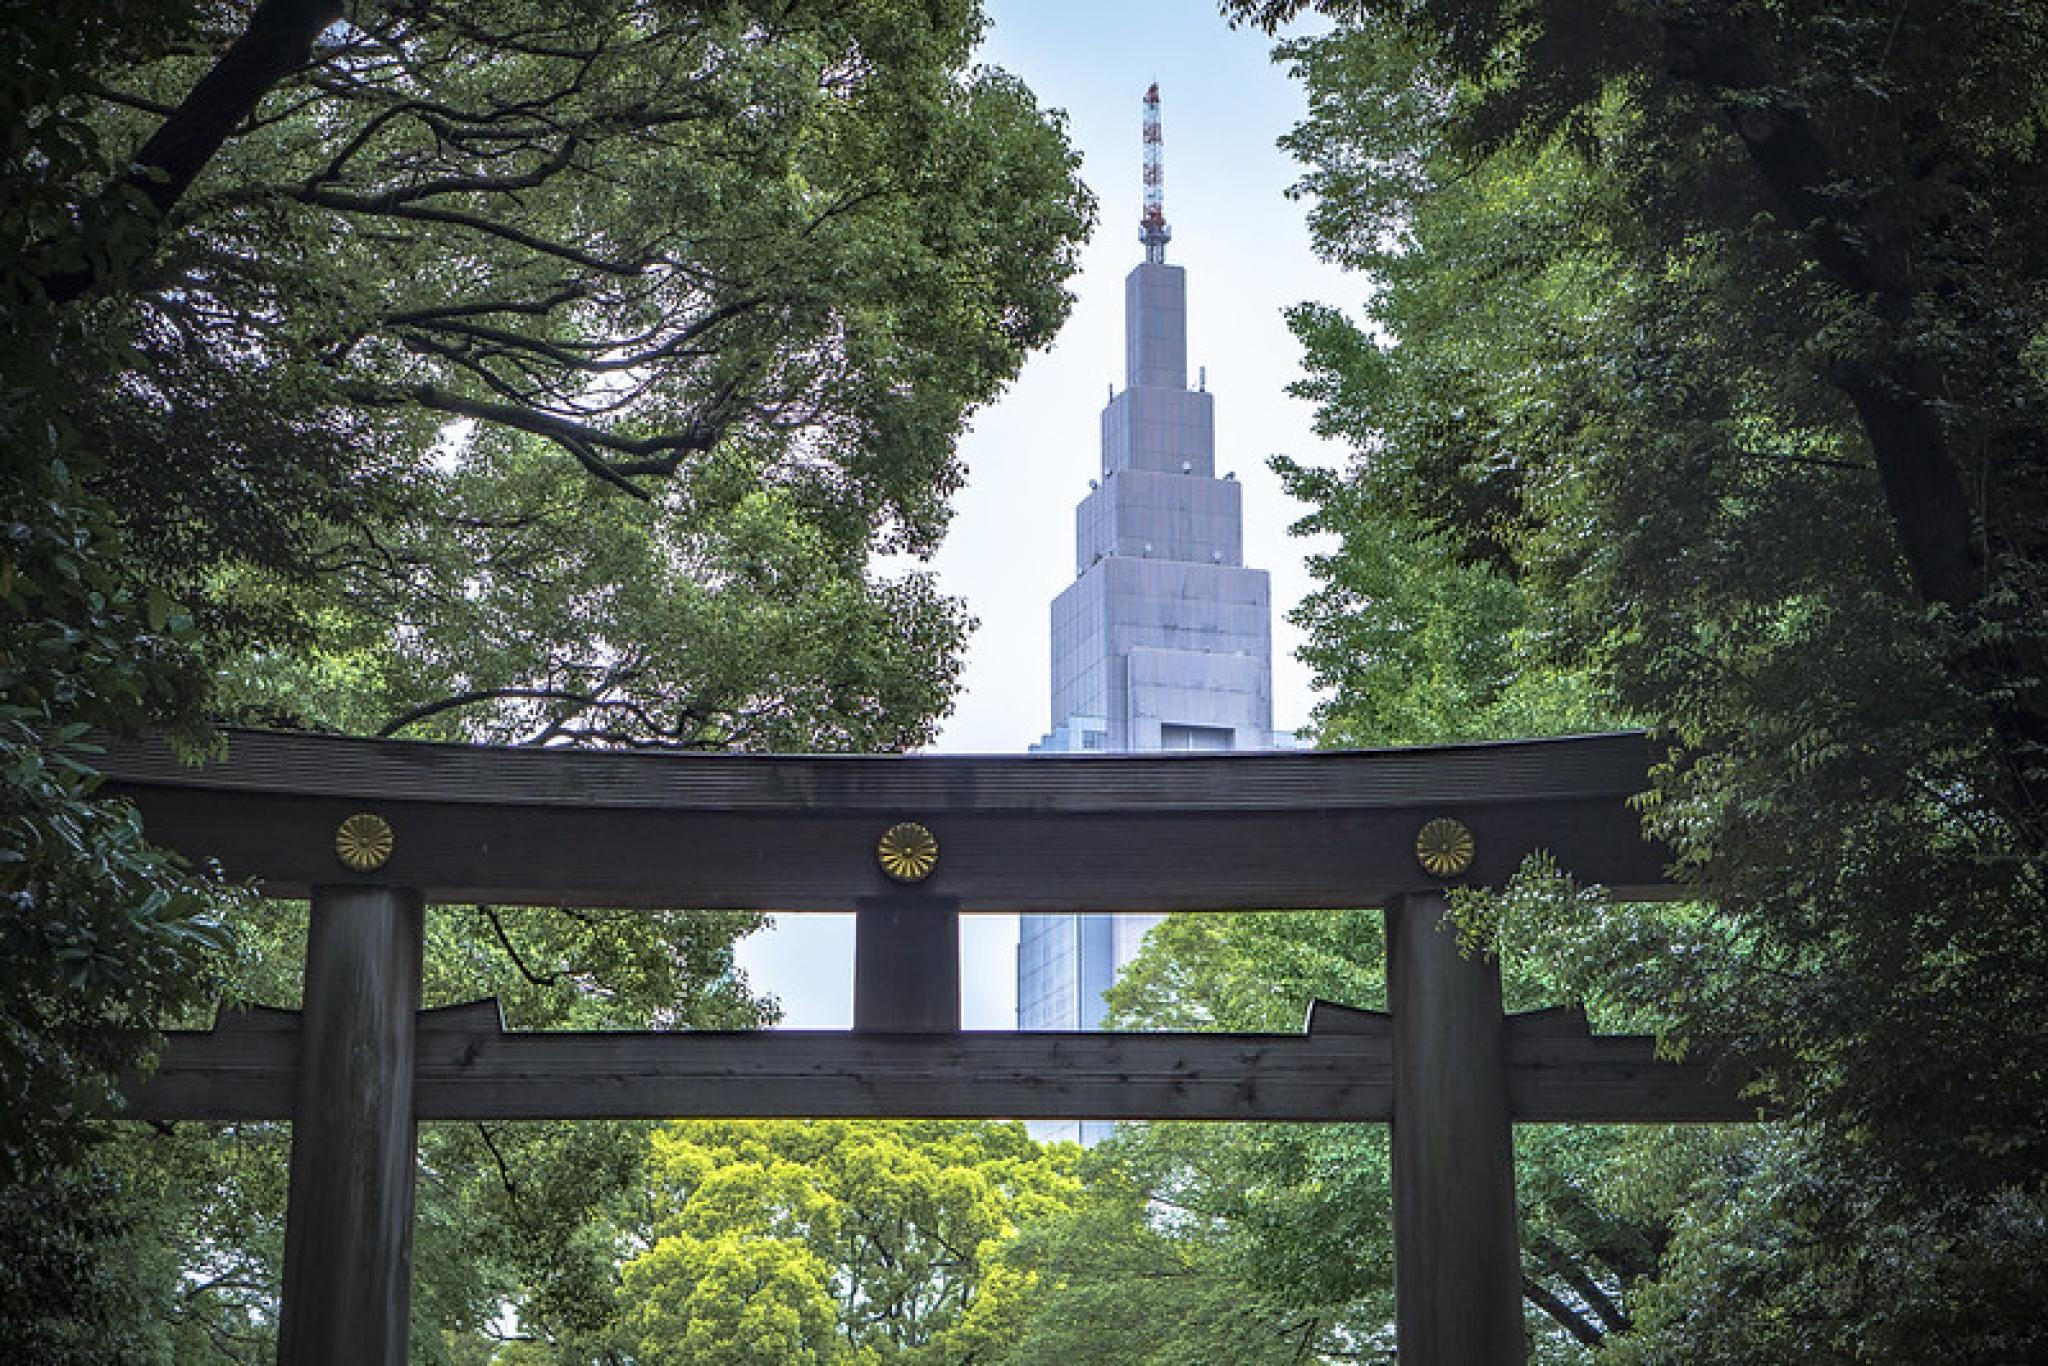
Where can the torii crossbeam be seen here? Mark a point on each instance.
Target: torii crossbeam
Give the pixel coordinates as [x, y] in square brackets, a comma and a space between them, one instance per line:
[371, 831]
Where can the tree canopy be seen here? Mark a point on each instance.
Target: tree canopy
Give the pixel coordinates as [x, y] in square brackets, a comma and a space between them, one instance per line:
[1705, 358]
[834, 1242]
[527, 372]
[751, 265]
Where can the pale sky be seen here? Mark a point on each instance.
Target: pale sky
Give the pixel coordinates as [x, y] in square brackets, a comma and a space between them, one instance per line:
[1030, 456]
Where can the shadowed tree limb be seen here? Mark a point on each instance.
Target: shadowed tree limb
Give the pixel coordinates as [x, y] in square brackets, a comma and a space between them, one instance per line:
[278, 41]
[1566, 1317]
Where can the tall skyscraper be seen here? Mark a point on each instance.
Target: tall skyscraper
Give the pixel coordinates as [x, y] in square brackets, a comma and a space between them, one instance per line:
[1164, 639]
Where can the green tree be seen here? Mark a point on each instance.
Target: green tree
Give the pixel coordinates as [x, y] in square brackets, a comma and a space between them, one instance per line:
[102, 936]
[1415, 645]
[1409, 644]
[750, 265]
[1122, 1276]
[828, 1241]
[528, 372]
[1716, 327]
[1284, 1230]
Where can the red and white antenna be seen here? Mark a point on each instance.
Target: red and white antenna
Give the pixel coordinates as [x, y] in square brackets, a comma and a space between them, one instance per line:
[1152, 229]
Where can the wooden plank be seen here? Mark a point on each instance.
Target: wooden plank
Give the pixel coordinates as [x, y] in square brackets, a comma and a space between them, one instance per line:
[352, 769]
[1327, 1017]
[470, 1068]
[1259, 860]
[1560, 1072]
[242, 1069]
[1244, 831]
[465, 1075]
[1457, 1253]
[348, 1215]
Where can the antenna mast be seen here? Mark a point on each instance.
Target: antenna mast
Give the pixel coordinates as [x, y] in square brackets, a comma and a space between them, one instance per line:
[1152, 229]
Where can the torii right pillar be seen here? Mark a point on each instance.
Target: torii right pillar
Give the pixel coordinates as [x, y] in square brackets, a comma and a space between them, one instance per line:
[1457, 1252]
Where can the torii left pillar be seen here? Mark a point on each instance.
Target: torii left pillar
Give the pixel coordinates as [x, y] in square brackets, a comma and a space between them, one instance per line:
[348, 1226]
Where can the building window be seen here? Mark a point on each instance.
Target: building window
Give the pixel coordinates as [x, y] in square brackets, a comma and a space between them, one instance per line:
[1195, 737]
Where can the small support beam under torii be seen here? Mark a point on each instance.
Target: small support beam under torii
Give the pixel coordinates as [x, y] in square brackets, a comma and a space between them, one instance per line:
[906, 965]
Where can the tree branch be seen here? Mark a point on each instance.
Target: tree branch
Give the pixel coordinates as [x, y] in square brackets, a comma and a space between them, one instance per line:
[1923, 486]
[1612, 1316]
[278, 41]
[469, 699]
[595, 356]
[657, 456]
[1563, 1314]
[505, 1179]
[533, 978]
[425, 213]
[1897, 394]
[532, 178]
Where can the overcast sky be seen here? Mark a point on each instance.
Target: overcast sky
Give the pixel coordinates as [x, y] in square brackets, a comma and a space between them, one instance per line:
[1030, 456]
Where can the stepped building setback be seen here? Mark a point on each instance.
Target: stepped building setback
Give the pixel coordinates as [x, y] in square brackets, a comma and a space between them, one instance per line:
[1164, 639]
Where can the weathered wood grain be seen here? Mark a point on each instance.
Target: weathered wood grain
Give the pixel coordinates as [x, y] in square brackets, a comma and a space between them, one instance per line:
[906, 965]
[1084, 833]
[244, 1068]
[1457, 1256]
[352, 769]
[1327, 1017]
[348, 1216]
[1560, 1072]
[965, 1075]
[468, 1067]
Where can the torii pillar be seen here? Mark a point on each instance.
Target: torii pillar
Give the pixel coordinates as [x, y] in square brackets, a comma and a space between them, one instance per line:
[1457, 1251]
[348, 1220]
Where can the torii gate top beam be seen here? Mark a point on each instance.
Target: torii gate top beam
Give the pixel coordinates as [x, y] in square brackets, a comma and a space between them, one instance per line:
[1266, 831]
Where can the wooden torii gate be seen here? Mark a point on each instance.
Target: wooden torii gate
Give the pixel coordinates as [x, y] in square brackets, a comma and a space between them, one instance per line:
[372, 831]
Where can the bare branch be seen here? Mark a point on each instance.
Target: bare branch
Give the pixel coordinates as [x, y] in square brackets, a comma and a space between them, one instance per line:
[424, 213]
[470, 699]
[533, 978]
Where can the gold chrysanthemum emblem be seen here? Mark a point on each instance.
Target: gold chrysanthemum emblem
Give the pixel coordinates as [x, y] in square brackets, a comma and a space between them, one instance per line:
[364, 842]
[1444, 847]
[908, 852]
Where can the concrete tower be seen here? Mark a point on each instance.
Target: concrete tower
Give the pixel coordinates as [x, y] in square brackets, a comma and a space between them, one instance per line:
[1164, 639]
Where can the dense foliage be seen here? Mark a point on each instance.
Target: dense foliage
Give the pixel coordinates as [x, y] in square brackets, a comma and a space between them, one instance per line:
[504, 359]
[527, 372]
[1707, 346]
[821, 1242]
[549, 373]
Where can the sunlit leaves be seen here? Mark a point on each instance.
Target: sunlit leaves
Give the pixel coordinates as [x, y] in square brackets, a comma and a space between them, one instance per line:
[829, 1241]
